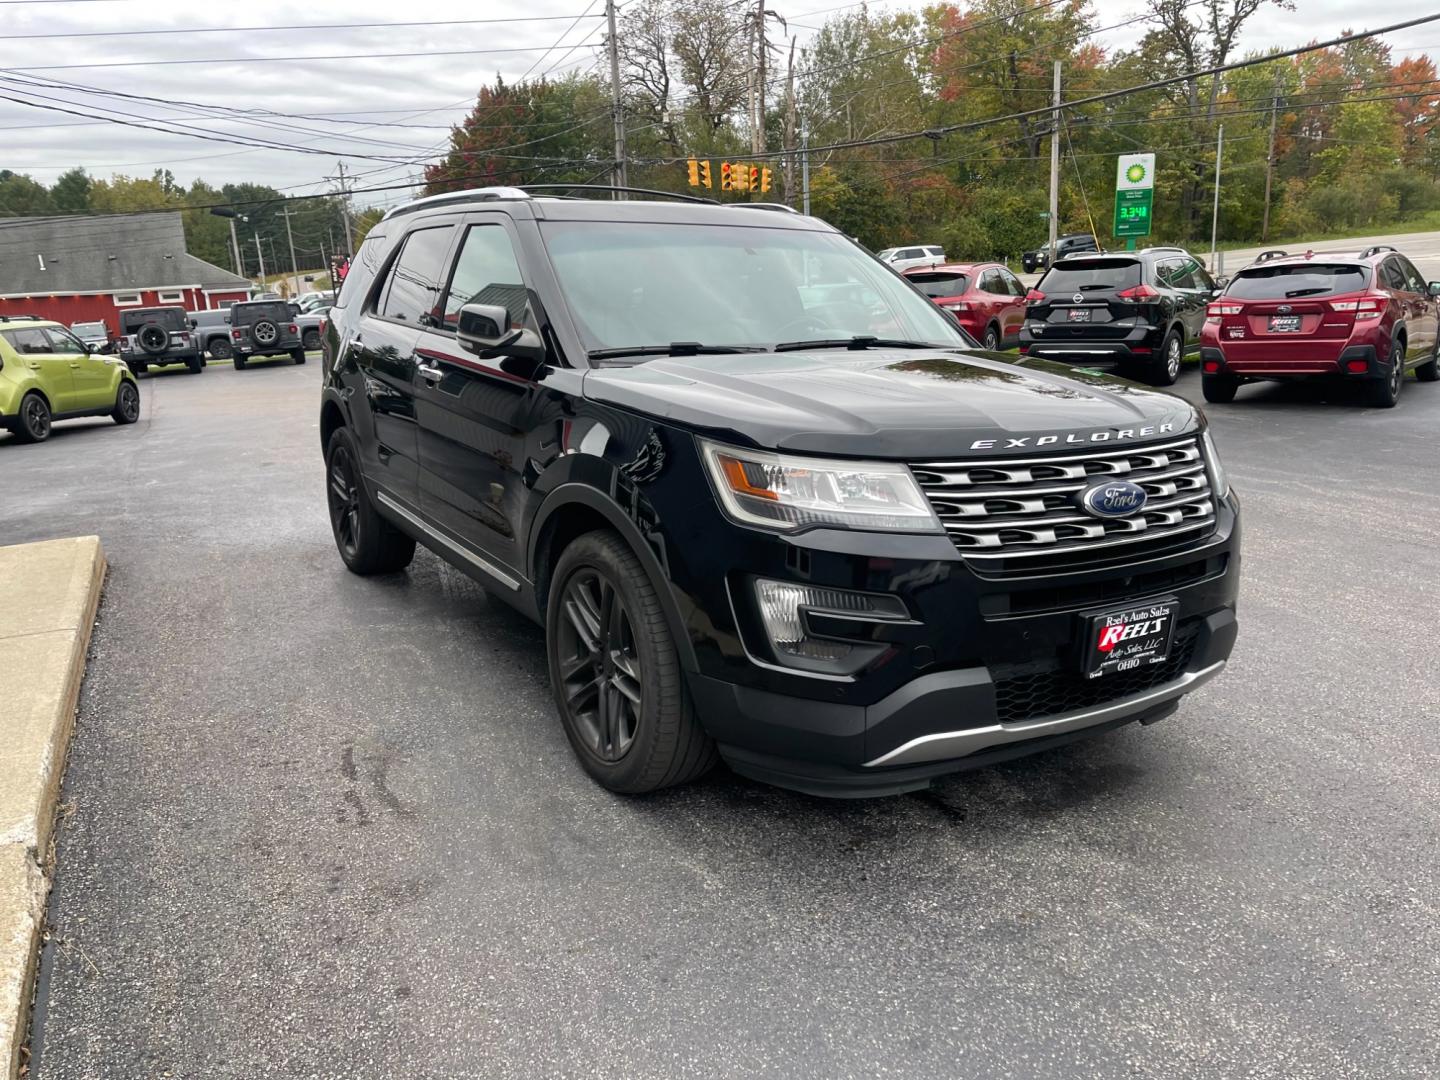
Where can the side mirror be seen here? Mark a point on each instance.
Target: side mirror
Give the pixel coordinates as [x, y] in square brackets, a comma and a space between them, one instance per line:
[193, 324]
[1216, 292]
[1435, 288]
[485, 330]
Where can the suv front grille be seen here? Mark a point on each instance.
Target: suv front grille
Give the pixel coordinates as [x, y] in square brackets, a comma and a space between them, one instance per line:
[1028, 507]
[1025, 692]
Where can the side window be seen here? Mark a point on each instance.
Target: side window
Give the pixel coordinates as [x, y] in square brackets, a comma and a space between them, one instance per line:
[412, 294]
[1200, 277]
[988, 282]
[486, 272]
[28, 342]
[1413, 281]
[1013, 285]
[62, 341]
[1174, 274]
[1392, 277]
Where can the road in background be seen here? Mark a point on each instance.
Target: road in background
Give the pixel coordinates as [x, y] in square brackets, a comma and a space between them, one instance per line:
[324, 826]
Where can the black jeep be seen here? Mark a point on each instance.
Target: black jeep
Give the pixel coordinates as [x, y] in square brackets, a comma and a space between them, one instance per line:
[156, 336]
[264, 328]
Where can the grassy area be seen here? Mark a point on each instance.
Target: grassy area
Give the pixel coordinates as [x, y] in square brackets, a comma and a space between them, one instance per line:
[320, 284]
[1429, 221]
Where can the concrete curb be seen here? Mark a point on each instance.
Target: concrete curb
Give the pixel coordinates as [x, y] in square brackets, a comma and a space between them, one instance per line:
[48, 596]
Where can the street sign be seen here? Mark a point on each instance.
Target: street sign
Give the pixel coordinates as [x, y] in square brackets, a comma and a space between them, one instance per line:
[1134, 193]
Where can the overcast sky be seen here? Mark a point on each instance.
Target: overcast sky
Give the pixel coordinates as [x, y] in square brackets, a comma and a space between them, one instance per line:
[396, 107]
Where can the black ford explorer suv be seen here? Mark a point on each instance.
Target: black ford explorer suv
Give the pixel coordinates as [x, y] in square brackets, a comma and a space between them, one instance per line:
[156, 336]
[264, 328]
[1142, 310]
[822, 541]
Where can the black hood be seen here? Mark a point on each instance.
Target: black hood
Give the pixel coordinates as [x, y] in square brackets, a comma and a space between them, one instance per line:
[904, 404]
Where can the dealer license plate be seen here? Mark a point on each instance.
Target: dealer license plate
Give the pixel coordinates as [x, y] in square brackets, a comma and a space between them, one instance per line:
[1128, 638]
[1078, 314]
[1284, 324]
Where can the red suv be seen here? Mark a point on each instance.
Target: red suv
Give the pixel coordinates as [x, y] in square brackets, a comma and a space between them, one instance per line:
[987, 298]
[1369, 317]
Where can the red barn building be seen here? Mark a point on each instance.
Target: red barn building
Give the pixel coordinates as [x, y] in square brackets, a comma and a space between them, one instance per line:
[89, 269]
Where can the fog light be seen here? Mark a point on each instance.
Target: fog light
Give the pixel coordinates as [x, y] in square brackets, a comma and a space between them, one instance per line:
[1357, 367]
[1212, 366]
[783, 609]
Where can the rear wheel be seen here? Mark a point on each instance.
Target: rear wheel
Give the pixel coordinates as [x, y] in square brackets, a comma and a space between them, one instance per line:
[1384, 392]
[298, 355]
[368, 543]
[137, 368]
[34, 425]
[615, 672]
[240, 362]
[220, 349]
[1219, 389]
[127, 403]
[1430, 370]
[312, 340]
[992, 338]
[195, 363]
[1164, 368]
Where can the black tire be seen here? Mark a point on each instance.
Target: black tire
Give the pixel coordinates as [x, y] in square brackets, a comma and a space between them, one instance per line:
[220, 349]
[34, 424]
[615, 673]
[991, 341]
[1430, 370]
[1164, 367]
[367, 542]
[137, 368]
[127, 403]
[298, 355]
[1219, 389]
[152, 338]
[195, 364]
[1384, 392]
[240, 362]
[312, 340]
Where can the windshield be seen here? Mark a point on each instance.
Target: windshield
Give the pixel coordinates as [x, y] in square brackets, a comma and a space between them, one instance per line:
[939, 286]
[718, 285]
[171, 318]
[1294, 281]
[88, 329]
[1090, 275]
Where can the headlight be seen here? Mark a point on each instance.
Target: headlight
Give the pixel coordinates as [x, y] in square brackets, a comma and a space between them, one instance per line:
[778, 491]
[1219, 482]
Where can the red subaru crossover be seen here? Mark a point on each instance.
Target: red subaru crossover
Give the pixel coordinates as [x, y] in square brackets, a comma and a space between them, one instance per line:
[1370, 317]
[987, 298]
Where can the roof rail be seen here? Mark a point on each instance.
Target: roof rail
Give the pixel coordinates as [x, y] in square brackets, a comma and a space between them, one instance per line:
[627, 190]
[1375, 250]
[1165, 247]
[1273, 253]
[768, 206]
[484, 194]
[23, 318]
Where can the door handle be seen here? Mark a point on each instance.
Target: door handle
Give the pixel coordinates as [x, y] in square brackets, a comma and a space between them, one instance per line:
[430, 371]
[75, 366]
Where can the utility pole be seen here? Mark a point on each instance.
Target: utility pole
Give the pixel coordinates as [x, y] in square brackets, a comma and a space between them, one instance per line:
[235, 246]
[790, 121]
[260, 252]
[1055, 167]
[290, 238]
[757, 137]
[804, 170]
[1215, 209]
[1270, 158]
[621, 177]
[345, 208]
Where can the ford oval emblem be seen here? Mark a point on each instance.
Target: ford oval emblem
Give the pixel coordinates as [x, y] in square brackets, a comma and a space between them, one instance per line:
[1113, 499]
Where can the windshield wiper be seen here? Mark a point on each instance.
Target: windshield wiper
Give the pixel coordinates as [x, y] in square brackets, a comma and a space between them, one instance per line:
[1307, 292]
[861, 341]
[675, 348]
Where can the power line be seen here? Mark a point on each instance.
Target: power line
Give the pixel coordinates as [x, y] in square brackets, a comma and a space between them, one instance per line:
[294, 26]
[299, 58]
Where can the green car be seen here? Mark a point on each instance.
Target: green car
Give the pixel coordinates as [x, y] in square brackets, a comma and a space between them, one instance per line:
[48, 374]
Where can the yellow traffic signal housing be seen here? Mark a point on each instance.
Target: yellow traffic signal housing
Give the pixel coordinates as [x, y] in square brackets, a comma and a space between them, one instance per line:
[764, 179]
[727, 177]
[693, 168]
[705, 173]
[739, 177]
[754, 184]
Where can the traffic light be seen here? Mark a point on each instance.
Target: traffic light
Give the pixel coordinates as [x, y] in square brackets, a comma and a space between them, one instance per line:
[739, 177]
[754, 184]
[705, 173]
[693, 168]
[727, 177]
[764, 179]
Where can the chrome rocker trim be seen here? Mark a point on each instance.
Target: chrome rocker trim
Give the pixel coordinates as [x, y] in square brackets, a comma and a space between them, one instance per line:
[954, 744]
[504, 578]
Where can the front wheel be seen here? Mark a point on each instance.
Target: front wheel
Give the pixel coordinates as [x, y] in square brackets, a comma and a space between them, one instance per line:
[127, 403]
[368, 543]
[615, 672]
[312, 340]
[220, 349]
[1430, 370]
[34, 423]
[992, 339]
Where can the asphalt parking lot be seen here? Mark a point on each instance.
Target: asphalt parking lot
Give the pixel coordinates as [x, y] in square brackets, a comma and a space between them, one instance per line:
[319, 826]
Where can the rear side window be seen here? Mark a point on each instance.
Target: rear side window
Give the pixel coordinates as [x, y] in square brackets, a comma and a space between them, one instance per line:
[1291, 282]
[937, 286]
[30, 341]
[417, 278]
[1091, 275]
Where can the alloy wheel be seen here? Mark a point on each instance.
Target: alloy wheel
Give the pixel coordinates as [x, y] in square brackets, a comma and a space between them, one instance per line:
[343, 495]
[599, 665]
[1397, 372]
[37, 418]
[1172, 357]
[129, 402]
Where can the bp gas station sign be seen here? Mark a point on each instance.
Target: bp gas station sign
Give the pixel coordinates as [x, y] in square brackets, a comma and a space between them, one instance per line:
[1134, 189]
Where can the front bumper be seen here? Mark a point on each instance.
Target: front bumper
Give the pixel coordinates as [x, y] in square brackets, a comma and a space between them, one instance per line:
[985, 669]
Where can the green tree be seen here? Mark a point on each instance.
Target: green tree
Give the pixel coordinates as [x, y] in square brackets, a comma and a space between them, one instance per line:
[20, 195]
[71, 192]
